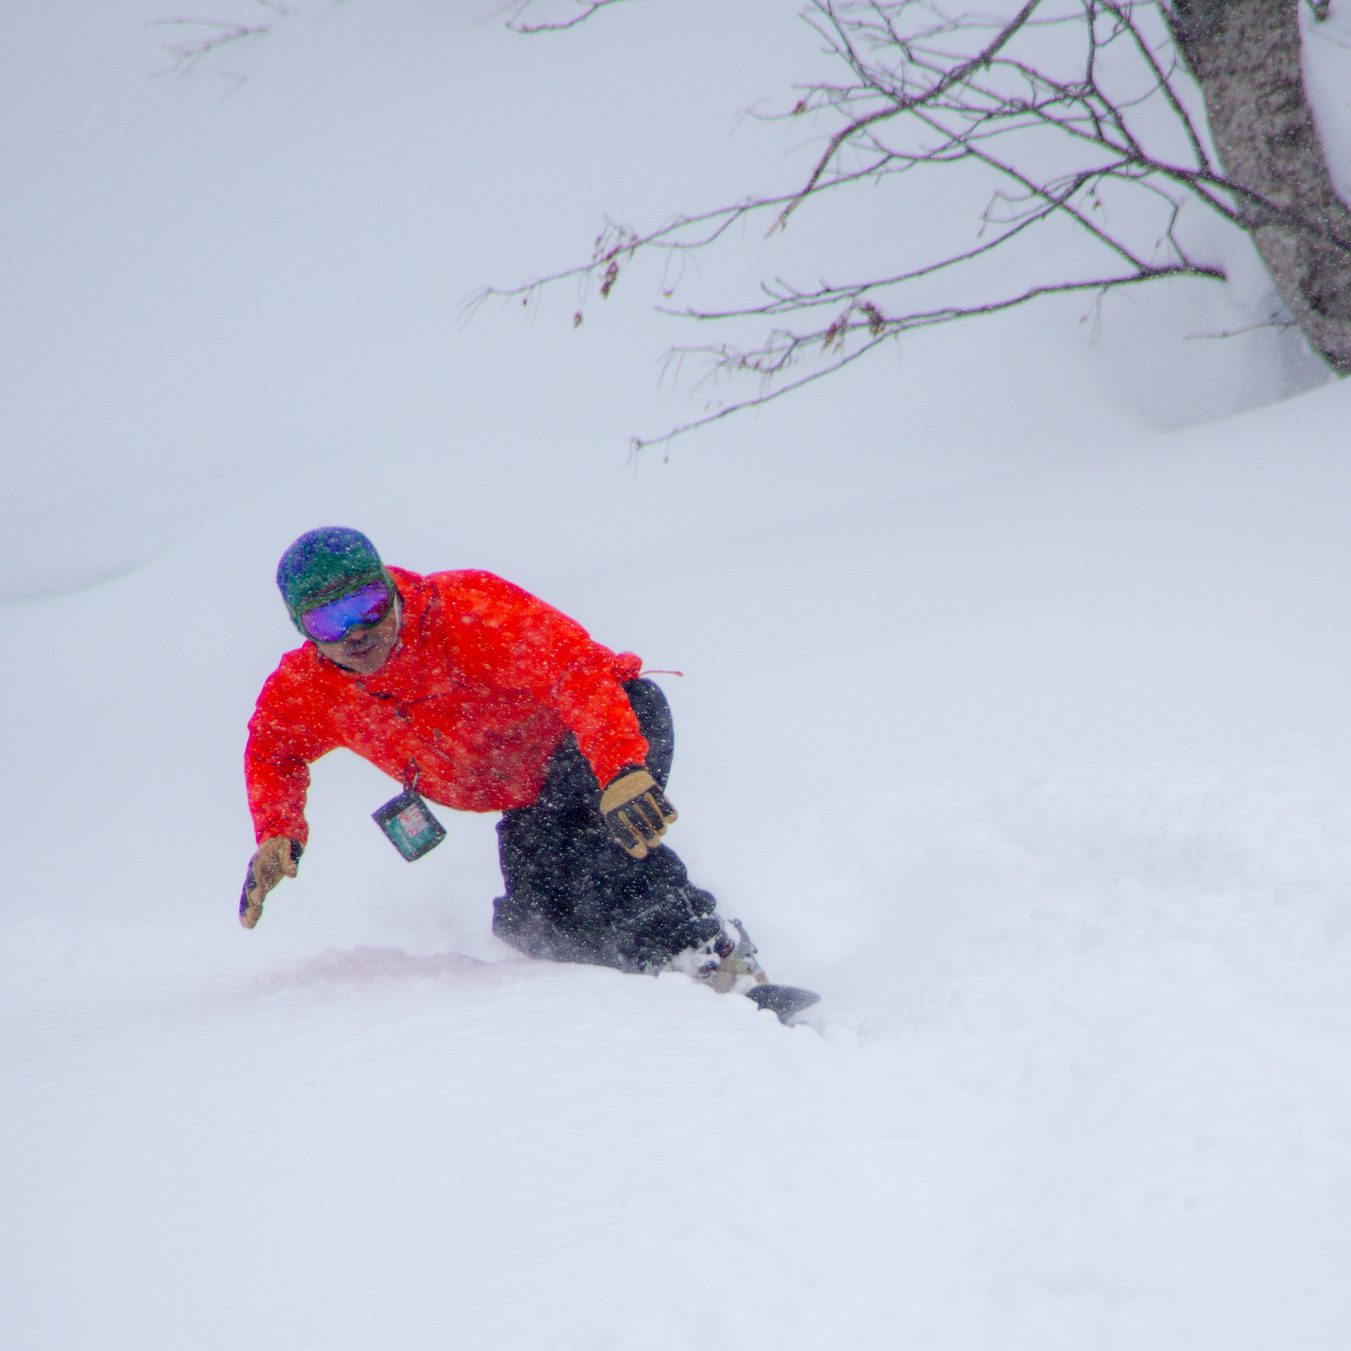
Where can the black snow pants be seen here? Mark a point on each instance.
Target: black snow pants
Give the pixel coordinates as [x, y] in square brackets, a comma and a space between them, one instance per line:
[573, 895]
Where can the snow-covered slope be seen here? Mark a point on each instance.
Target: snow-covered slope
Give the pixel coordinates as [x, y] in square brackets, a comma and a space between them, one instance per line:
[1048, 706]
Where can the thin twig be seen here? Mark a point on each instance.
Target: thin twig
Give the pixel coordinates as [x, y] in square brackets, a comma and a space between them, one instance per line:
[589, 8]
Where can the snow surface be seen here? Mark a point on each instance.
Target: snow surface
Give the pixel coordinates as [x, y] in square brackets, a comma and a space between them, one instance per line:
[1014, 719]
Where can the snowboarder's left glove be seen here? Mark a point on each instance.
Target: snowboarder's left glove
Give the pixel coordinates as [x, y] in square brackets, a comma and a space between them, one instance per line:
[636, 811]
[275, 858]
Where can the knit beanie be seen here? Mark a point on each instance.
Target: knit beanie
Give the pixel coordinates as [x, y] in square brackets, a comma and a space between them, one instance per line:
[324, 565]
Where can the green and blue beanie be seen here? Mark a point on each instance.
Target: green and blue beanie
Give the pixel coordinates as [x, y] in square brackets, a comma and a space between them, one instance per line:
[324, 565]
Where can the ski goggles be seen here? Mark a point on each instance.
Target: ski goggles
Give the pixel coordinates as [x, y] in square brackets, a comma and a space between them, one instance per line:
[332, 623]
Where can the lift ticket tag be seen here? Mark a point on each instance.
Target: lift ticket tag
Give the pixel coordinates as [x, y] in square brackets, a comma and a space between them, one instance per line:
[409, 824]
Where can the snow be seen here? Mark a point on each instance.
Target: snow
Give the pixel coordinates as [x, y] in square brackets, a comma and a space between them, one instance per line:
[1013, 719]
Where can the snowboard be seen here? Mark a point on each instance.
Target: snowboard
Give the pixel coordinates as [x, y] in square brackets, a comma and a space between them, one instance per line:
[784, 1001]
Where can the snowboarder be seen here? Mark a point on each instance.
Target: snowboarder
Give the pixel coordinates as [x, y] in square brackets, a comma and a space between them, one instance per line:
[475, 694]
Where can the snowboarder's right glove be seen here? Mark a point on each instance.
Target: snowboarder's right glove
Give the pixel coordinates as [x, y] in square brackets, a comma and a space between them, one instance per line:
[636, 811]
[276, 858]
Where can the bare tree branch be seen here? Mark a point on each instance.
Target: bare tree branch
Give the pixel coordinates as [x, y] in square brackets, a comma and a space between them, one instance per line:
[1108, 113]
[903, 104]
[211, 35]
[588, 8]
[784, 348]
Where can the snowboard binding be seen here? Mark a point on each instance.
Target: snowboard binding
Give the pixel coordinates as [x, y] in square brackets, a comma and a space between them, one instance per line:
[729, 966]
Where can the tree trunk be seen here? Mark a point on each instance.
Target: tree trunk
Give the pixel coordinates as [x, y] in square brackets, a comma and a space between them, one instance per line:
[1246, 58]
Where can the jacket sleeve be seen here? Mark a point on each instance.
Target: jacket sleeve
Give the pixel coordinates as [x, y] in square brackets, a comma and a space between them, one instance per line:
[286, 734]
[531, 646]
[593, 705]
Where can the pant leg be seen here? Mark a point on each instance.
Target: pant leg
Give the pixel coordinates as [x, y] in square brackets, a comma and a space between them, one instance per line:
[571, 893]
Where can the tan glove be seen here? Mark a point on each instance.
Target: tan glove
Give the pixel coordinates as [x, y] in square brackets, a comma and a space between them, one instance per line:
[636, 811]
[276, 858]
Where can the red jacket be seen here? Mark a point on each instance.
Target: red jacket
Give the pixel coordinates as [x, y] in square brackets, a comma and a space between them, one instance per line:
[484, 684]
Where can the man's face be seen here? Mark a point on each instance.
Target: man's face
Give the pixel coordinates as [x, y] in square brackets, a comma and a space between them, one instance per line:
[365, 648]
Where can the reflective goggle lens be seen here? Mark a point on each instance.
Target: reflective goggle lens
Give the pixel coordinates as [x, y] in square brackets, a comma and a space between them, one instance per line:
[333, 622]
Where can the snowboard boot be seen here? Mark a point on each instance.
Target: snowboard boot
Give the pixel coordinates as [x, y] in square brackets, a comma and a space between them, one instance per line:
[724, 963]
